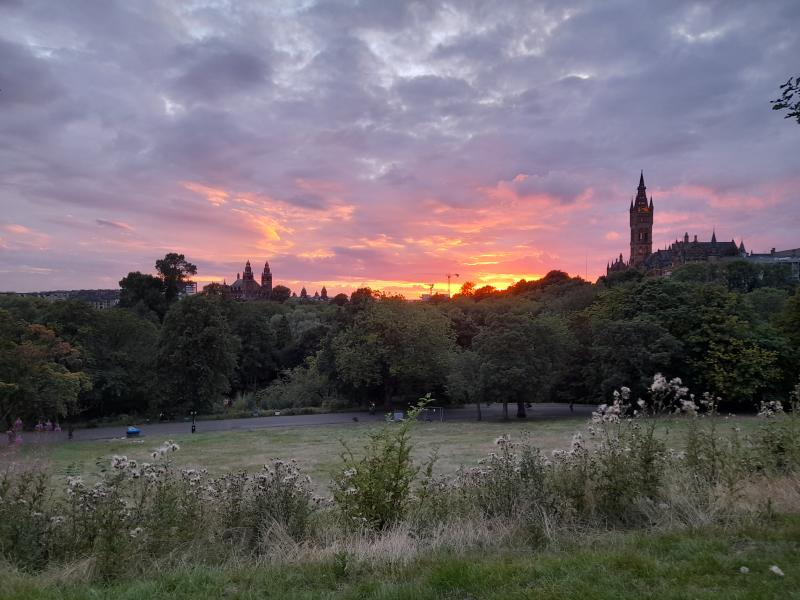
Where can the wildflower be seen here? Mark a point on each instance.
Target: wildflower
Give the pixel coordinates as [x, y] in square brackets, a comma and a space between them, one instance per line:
[502, 440]
[659, 384]
[350, 491]
[777, 570]
[134, 533]
[744, 570]
[770, 409]
[350, 473]
[57, 520]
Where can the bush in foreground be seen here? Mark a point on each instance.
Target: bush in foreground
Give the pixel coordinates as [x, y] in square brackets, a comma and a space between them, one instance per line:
[387, 509]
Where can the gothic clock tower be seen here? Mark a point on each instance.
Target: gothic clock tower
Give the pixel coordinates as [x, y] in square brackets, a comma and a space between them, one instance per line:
[641, 226]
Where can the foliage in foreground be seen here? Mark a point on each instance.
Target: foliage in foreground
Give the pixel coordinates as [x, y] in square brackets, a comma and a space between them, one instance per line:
[139, 516]
[706, 561]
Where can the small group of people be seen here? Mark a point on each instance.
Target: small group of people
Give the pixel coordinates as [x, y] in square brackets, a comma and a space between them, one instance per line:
[48, 426]
[15, 433]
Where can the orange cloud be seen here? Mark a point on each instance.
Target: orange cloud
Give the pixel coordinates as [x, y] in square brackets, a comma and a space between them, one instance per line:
[215, 196]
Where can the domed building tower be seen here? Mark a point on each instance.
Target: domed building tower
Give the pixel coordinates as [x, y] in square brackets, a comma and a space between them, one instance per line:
[247, 287]
[641, 226]
[266, 281]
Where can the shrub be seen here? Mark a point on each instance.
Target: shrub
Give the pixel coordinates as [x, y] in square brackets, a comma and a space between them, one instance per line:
[24, 525]
[375, 490]
[279, 496]
[298, 387]
[509, 482]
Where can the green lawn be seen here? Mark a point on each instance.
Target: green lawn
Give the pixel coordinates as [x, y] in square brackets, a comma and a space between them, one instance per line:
[696, 564]
[317, 448]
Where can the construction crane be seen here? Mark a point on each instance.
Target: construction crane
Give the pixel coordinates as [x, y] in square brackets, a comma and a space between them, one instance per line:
[449, 275]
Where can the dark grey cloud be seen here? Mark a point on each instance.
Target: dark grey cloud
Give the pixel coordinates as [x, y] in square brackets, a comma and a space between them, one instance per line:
[212, 69]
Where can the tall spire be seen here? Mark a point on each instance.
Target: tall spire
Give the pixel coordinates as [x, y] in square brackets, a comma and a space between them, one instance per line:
[714, 236]
[641, 193]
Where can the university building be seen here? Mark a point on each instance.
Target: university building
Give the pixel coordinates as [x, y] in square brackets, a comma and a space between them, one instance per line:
[662, 262]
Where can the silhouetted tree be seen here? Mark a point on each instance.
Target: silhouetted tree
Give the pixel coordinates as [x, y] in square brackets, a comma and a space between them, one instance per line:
[280, 293]
[174, 271]
[144, 294]
[787, 101]
[196, 354]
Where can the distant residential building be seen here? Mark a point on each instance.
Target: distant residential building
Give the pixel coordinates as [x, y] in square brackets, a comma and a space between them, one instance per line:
[780, 257]
[99, 299]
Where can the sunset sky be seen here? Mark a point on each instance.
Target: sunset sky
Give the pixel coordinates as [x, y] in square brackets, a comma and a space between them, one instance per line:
[385, 143]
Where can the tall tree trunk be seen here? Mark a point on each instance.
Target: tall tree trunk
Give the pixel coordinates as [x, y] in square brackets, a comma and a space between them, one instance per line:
[478, 406]
[505, 410]
[521, 414]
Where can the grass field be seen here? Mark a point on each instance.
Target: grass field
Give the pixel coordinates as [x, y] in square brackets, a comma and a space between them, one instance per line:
[317, 448]
[699, 564]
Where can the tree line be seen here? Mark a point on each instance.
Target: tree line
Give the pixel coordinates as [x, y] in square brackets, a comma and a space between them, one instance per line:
[732, 329]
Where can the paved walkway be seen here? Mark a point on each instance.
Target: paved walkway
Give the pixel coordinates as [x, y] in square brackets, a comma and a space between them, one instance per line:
[162, 431]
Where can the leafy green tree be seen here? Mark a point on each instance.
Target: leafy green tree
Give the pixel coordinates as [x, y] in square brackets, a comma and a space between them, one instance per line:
[392, 345]
[123, 347]
[196, 354]
[618, 278]
[144, 294]
[464, 379]
[41, 375]
[362, 296]
[482, 293]
[256, 365]
[301, 386]
[738, 371]
[174, 271]
[340, 299]
[629, 353]
[521, 358]
[706, 319]
[280, 293]
[768, 303]
[790, 319]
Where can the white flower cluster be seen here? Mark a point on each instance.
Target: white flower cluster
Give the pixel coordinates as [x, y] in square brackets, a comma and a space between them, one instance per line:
[770, 409]
[166, 447]
[576, 455]
[610, 413]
